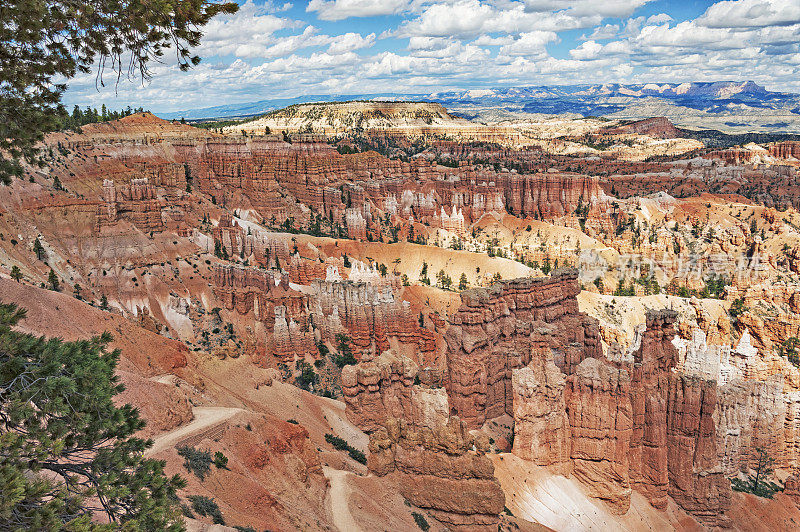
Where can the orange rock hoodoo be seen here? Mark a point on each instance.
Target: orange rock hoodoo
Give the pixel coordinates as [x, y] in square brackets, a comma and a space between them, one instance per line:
[343, 187]
[236, 241]
[392, 386]
[370, 314]
[785, 150]
[436, 468]
[253, 290]
[503, 328]
[522, 348]
[136, 201]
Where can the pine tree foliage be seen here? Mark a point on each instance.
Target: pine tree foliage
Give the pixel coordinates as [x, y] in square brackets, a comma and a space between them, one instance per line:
[66, 451]
[80, 117]
[44, 43]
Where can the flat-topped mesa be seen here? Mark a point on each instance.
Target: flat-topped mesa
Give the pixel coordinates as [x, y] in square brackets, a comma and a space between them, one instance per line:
[502, 328]
[658, 127]
[443, 469]
[341, 118]
[138, 128]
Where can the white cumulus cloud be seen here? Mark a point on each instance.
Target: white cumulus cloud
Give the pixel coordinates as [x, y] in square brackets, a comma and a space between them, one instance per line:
[751, 14]
[342, 9]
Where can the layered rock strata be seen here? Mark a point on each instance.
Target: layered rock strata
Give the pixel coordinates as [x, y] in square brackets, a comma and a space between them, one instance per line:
[384, 388]
[247, 290]
[235, 240]
[541, 425]
[442, 469]
[502, 328]
[674, 441]
[345, 187]
[370, 314]
[600, 413]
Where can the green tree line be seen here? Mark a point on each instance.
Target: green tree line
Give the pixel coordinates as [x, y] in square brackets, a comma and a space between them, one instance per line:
[80, 117]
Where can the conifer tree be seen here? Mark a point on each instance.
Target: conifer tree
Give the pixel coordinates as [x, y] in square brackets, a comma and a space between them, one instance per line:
[43, 43]
[38, 249]
[52, 280]
[67, 452]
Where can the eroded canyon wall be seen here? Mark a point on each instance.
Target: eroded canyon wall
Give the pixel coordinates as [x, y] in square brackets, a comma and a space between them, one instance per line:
[499, 329]
[443, 469]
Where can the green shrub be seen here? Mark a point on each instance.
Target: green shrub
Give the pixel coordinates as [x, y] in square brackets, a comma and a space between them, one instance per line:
[422, 523]
[764, 489]
[196, 461]
[345, 356]
[207, 507]
[220, 460]
[341, 445]
[307, 377]
[357, 455]
[737, 308]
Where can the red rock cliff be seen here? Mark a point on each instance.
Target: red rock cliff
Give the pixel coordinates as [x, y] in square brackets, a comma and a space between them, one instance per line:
[438, 470]
[502, 328]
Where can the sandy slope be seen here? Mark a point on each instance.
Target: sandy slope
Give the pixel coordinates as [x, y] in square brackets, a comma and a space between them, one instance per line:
[338, 500]
[535, 494]
[204, 417]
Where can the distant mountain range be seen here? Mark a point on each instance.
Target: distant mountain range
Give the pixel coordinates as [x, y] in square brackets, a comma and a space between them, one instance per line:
[729, 106]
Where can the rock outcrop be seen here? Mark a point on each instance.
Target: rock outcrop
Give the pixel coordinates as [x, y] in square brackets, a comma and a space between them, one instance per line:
[233, 240]
[674, 440]
[789, 149]
[442, 469]
[653, 361]
[369, 313]
[658, 127]
[791, 488]
[697, 481]
[347, 189]
[246, 290]
[750, 415]
[541, 425]
[624, 426]
[600, 414]
[384, 388]
[502, 328]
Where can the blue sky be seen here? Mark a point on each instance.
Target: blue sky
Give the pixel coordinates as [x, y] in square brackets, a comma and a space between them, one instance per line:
[278, 49]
